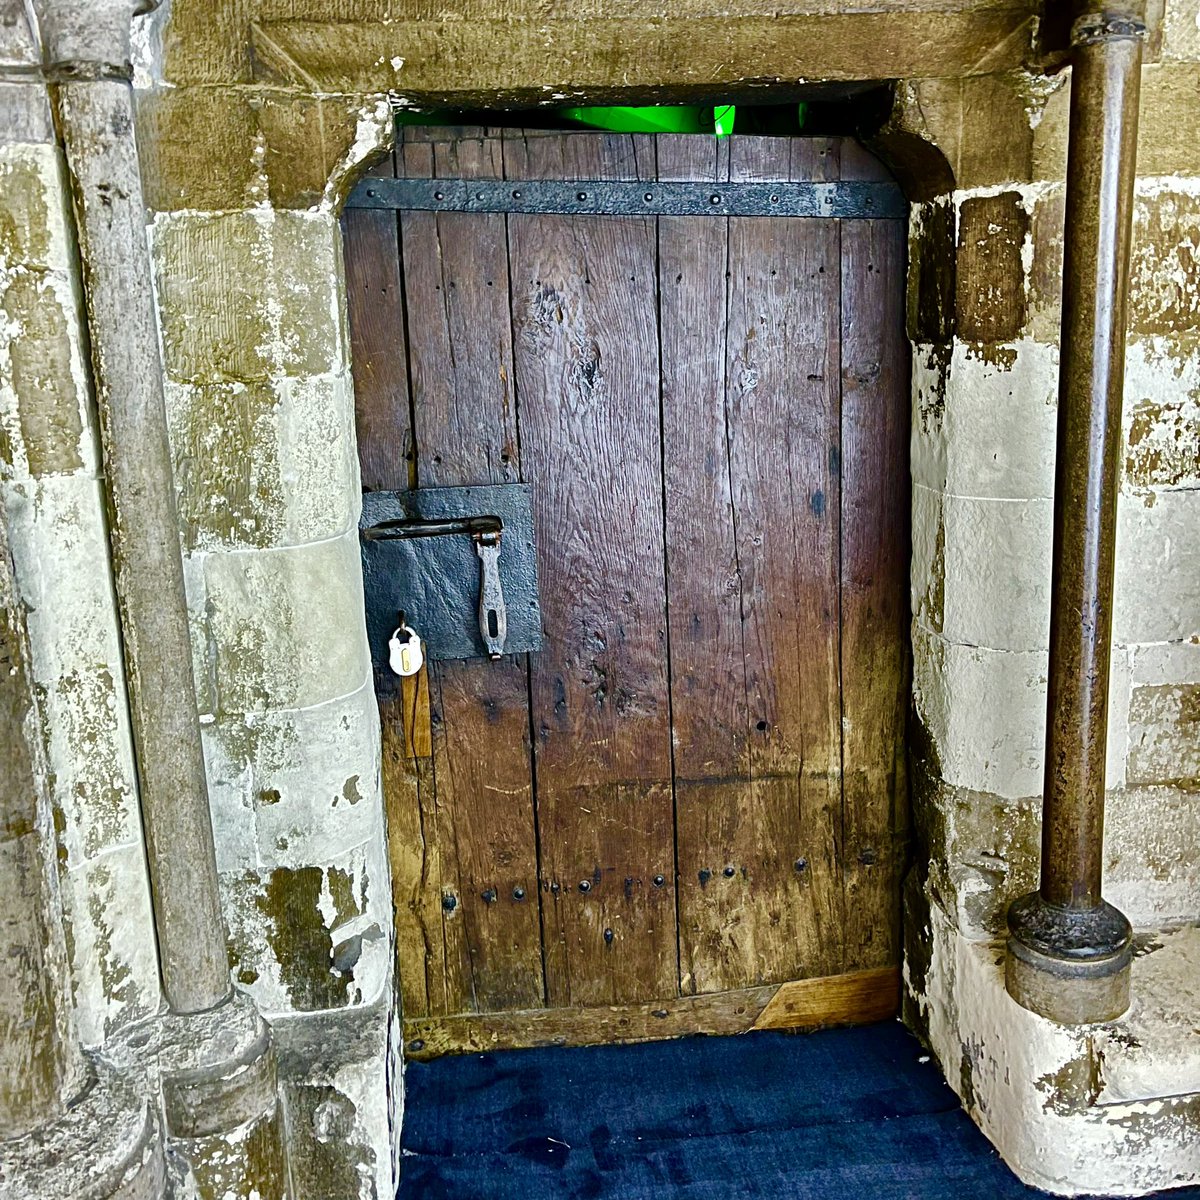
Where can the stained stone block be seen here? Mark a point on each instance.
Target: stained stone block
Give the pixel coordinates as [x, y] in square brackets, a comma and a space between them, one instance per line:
[42, 375]
[991, 278]
[264, 464]
[199, 149]
[111, 941]
[985, 711]
[33, 223]
[1164, 286]
[997, 432]
[1152, 854]
[246, 296]
[285, 628]
[311, 937]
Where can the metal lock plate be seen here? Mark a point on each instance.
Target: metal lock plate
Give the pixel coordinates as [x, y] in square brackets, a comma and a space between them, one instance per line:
[436, 581]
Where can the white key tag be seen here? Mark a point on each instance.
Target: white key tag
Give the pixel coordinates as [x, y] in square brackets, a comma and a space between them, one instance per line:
[405, 653]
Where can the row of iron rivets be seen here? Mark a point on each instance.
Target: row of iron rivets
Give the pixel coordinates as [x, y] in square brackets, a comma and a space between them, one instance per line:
[867, 858]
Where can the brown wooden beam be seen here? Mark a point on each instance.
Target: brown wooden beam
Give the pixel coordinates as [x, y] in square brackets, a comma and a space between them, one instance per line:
[1068, 950]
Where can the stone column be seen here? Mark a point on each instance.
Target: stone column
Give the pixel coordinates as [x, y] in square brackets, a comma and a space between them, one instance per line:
[68, 1126]
[1069, 951]
[209, 1062]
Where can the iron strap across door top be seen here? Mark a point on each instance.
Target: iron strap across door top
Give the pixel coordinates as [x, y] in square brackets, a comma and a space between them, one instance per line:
[623, 198]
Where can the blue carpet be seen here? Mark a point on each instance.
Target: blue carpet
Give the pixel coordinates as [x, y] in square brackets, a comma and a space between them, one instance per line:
[848, 1114]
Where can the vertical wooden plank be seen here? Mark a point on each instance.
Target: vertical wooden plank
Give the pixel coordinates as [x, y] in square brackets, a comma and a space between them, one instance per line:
[379, 367]
[760, 884]
[378, 362]
[456, 286]
[586, 362]
[875, 552]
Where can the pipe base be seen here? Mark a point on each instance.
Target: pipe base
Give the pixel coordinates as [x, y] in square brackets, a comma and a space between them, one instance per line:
[1071, 966]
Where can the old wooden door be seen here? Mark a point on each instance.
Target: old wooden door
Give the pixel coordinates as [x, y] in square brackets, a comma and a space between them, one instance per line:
[687, 812]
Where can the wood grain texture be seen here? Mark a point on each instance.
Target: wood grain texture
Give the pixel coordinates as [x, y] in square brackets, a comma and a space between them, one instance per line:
[854, 999]
[772, 909]
[379, 350]
[586, 360]
[875, 557]
[713, 415]
[456, 288]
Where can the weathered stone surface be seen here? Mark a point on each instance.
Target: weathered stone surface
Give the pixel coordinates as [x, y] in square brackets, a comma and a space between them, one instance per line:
[291, 788]
[1181, 31]
[997, 548]
[247, 296]
[1162, 414]
[1038, 1089]
[285, 628]
[991, 280]
[1158, 562]
[340, 1072]
[1164, 283]
[199, 149]
[531, 56]
[985, 711]
[312, 937]
[1152, 854]
[996, 436]
[43, 372]
[264, 464]
[1169, 92]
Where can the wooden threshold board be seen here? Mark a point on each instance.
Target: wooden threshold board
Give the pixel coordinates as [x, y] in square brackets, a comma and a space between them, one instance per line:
[854, 999]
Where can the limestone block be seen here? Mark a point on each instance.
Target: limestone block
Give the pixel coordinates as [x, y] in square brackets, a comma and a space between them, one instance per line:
[247, 296]
[312, 937]
[34, 229]
[285, 628]
[291, 788]
[927, 577]
[60, 550]
[1181, 30]
[1162, 415]
[985, 712]
[1164, 285]
[1168, 104]
[997, 433]
[199, 149]
[997, 548]
[1038, 1089]
[1164, 715]
[342, 1083]
[264, 464]
[1152, 854]
[1158, 563]
[110, 941]
[990, 303]
[45, 422]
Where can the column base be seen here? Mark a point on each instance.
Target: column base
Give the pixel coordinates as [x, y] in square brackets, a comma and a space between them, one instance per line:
[1068, 965]
[106, 1146]
[216, 1076]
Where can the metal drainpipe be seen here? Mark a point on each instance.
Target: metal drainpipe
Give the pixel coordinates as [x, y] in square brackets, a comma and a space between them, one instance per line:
[1069, 951]
[87, 60]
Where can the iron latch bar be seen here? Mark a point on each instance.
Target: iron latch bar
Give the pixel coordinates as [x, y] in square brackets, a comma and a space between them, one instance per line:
[843, 199]
[485, 532]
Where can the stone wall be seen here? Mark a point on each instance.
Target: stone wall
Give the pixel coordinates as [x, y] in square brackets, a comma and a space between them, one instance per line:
[984, 421]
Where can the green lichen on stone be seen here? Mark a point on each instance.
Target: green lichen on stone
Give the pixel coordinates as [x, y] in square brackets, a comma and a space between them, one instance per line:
[24, 217]
[224, 439]
[328, 1148]
[40, 359]
[244, 1165]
